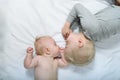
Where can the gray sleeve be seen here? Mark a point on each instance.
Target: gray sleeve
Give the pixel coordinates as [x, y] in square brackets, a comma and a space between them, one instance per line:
[72, 15]
[111, 1]
[88, 20]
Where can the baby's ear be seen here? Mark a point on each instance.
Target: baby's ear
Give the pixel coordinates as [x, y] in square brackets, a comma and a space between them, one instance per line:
[47, 51]
[80, 43]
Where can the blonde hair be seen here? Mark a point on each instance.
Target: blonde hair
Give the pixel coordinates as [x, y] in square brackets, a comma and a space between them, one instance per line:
[39, 44]
[80, 56]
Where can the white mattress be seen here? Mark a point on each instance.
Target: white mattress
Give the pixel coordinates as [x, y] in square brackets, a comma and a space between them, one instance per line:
[23, 20]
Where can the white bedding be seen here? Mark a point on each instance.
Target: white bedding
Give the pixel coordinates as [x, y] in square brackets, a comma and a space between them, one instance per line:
[26, 19]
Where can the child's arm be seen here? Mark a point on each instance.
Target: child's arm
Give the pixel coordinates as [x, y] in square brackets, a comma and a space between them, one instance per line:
[66, 28]
[88, 21]
[29, 61]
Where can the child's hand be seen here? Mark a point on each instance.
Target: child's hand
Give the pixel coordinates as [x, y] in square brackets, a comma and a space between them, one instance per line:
[66, 30]
[30, 50]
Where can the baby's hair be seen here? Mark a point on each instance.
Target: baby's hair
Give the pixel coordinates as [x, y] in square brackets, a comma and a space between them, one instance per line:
[80, 56]
[41, 37]
[38, 46]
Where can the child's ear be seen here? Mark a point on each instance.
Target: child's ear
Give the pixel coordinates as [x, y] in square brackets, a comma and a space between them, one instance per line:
[48, 51]
[80, 43]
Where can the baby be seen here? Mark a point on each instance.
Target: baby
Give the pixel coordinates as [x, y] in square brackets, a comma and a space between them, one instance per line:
[47, 60]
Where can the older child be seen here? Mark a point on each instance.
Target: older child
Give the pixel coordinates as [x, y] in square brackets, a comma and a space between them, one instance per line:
[79, 50]
[47, 60]
[93, 28]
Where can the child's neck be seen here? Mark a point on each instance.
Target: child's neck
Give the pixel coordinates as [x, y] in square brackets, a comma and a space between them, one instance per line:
[48, 56]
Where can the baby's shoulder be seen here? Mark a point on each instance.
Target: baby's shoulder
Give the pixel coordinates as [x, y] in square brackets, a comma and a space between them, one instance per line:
[38, 58]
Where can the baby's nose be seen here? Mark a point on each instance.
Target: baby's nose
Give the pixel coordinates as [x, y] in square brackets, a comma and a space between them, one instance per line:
[61, 50]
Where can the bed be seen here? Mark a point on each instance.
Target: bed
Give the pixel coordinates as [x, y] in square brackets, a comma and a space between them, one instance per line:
[23, 20]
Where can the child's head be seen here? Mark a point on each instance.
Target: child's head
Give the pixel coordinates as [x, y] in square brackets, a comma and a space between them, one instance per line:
[46, 45]
[79, 50]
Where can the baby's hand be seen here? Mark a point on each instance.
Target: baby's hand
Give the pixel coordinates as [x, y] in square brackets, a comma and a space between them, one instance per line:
[30, 50]
[62, 52]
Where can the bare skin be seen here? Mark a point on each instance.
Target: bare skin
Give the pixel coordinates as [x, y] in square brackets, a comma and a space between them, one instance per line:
[45, 65]
[46, 68]
[66, 30]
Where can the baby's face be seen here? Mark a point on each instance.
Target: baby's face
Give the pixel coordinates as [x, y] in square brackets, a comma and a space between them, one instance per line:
[54, 48]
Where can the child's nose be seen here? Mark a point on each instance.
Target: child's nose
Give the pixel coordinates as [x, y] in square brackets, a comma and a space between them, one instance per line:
[62, 50]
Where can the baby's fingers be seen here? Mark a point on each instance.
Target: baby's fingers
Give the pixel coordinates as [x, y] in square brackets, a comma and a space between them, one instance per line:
[29, 50]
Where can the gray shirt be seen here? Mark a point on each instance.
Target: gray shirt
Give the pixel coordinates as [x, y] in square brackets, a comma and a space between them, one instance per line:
[99, 26]
[111, 1]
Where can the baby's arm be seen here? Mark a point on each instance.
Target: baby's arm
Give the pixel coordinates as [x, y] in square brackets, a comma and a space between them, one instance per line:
[61, 61]
[30, 61]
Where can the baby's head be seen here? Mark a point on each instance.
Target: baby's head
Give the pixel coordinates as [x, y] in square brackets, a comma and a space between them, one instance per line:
[46, 45]
[79, 50]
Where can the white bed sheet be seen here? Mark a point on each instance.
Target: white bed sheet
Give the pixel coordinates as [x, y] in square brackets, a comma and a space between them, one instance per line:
[26, 19]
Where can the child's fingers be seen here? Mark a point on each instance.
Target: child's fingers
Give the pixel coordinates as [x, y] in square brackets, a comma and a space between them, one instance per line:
[67, 34]
[29, 49]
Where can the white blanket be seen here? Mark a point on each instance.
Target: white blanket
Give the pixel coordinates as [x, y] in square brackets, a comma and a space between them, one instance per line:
[26, 19]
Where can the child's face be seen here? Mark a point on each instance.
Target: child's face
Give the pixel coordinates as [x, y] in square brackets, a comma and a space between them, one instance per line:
[72, 39]
[53, 48]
